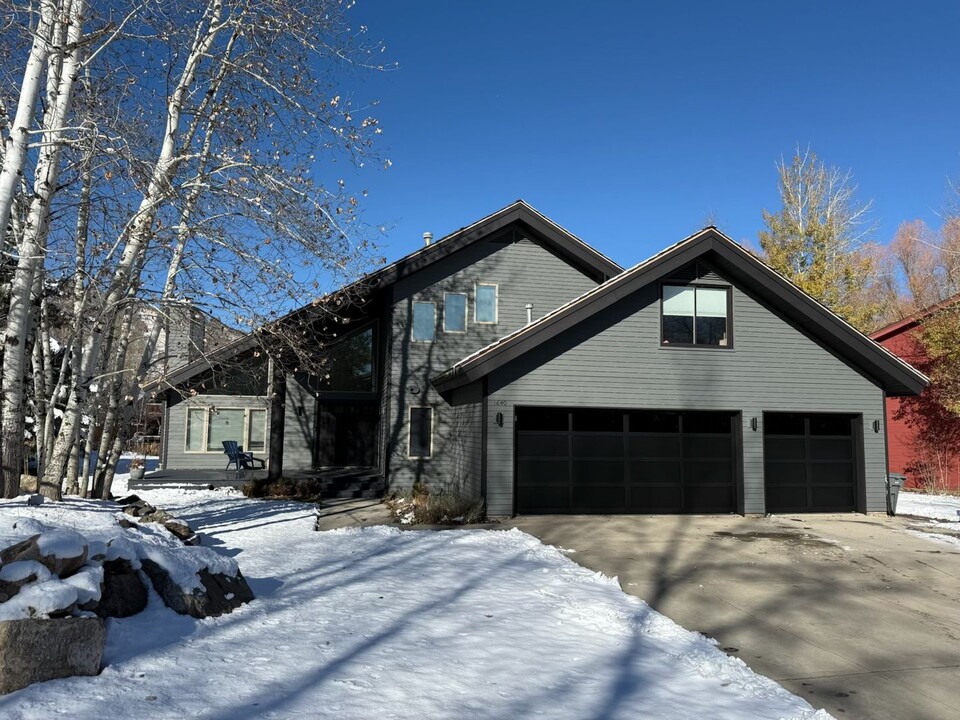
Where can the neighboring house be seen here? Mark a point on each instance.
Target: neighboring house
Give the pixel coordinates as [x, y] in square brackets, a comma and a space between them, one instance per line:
[512, 361]
[923, 441]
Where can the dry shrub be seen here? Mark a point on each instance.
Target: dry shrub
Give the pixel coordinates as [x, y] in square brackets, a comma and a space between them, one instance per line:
[307, 489]
[443, 507]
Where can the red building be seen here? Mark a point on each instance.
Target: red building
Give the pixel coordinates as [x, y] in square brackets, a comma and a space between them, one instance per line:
[923, 438]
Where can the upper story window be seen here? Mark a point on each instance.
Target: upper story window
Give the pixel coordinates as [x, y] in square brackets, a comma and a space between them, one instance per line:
[695, 315]
[424, 321]
[454, 312]
[348, 365]
[485, 305]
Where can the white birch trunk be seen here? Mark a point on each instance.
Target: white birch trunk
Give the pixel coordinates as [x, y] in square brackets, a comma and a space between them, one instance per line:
[62, 73]
[15, 147]
[139, 231]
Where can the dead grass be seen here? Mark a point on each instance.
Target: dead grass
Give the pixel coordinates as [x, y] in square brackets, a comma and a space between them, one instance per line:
[443, 507]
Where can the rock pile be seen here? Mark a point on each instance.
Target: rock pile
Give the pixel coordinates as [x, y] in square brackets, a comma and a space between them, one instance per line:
[57, 585]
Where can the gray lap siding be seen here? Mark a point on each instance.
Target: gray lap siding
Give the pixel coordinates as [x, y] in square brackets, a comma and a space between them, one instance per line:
[616, 361]
[525, 272]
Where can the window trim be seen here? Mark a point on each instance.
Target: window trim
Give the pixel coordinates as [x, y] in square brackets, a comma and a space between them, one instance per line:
[413, 316]
[466, 313]
[205, 409]
[496, 303]
[694, 344]
[410, 455]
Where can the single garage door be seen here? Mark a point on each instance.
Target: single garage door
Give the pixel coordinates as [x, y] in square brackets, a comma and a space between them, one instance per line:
[624, 461]
[809, 462]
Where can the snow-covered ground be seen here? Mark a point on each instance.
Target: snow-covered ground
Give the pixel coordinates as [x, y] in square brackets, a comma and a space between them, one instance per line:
[943, 512]
[937, 507]
[382, 623]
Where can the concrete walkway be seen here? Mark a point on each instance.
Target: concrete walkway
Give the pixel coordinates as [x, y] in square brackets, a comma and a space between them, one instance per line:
[851, 612]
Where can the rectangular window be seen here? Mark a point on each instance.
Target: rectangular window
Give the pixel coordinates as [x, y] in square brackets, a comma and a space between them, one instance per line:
[424, 321]
[349, 364]
[695, 315]
[421, 433]
[196, 420]
[454, 312]
[256, 430]
[223, 425]
[485, 306]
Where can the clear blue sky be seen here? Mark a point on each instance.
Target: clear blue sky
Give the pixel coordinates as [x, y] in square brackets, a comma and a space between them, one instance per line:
[631, 124]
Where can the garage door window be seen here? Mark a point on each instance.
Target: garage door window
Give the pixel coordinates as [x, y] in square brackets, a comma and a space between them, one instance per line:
[695, 315]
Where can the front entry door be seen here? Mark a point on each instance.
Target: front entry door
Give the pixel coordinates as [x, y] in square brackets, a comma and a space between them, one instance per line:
[347, 434]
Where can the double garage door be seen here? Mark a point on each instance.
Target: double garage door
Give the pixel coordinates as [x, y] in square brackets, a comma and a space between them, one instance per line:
[643, 461]
[619, 461]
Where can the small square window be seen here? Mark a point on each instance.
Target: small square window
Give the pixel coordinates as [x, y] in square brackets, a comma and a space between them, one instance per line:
[454, 312]
[695, 315]
[424, 321]
[485, 306]
[421, 433]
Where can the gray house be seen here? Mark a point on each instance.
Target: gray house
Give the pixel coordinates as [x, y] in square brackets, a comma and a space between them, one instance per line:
[515, 362]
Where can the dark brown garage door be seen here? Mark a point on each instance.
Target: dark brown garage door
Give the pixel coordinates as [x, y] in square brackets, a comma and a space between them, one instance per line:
[809, 462]
[624, 461]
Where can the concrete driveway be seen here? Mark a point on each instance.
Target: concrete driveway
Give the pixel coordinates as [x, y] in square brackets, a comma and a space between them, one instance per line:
[852, 612]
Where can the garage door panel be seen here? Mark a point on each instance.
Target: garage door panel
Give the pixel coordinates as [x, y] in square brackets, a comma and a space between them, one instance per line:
[655, 499]
[832, 473]
[809, 462]
[788, 473]
[543, 498]
[625, 461]
[603, 498]
[833, 498]
[786, 448]
[593, 472]
[699, 473]
[831, 449]
[709, 498]
[655, 471]
[543, 472]
[533, 445]
[712, 447]
[597, 445]
[641, 446]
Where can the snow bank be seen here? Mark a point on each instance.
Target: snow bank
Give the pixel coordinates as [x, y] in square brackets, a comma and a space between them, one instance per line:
[937, 507]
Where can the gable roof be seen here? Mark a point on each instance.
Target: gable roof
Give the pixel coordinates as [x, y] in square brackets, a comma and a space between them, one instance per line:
[890, 372]
[564, 243]
[908, 323]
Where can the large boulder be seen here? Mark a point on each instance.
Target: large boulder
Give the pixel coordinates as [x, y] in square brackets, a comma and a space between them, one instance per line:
[15, 575]
[219, 593]
[124, 593]
[61, 551]
[34, 650]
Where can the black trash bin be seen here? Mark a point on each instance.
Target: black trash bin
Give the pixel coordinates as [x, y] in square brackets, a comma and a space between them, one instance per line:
[895, 481]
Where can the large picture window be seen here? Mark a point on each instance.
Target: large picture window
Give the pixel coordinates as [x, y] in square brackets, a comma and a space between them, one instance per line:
[695, 315]
[348, 365]
[421, 433]
[208, 427]
[424, 321]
